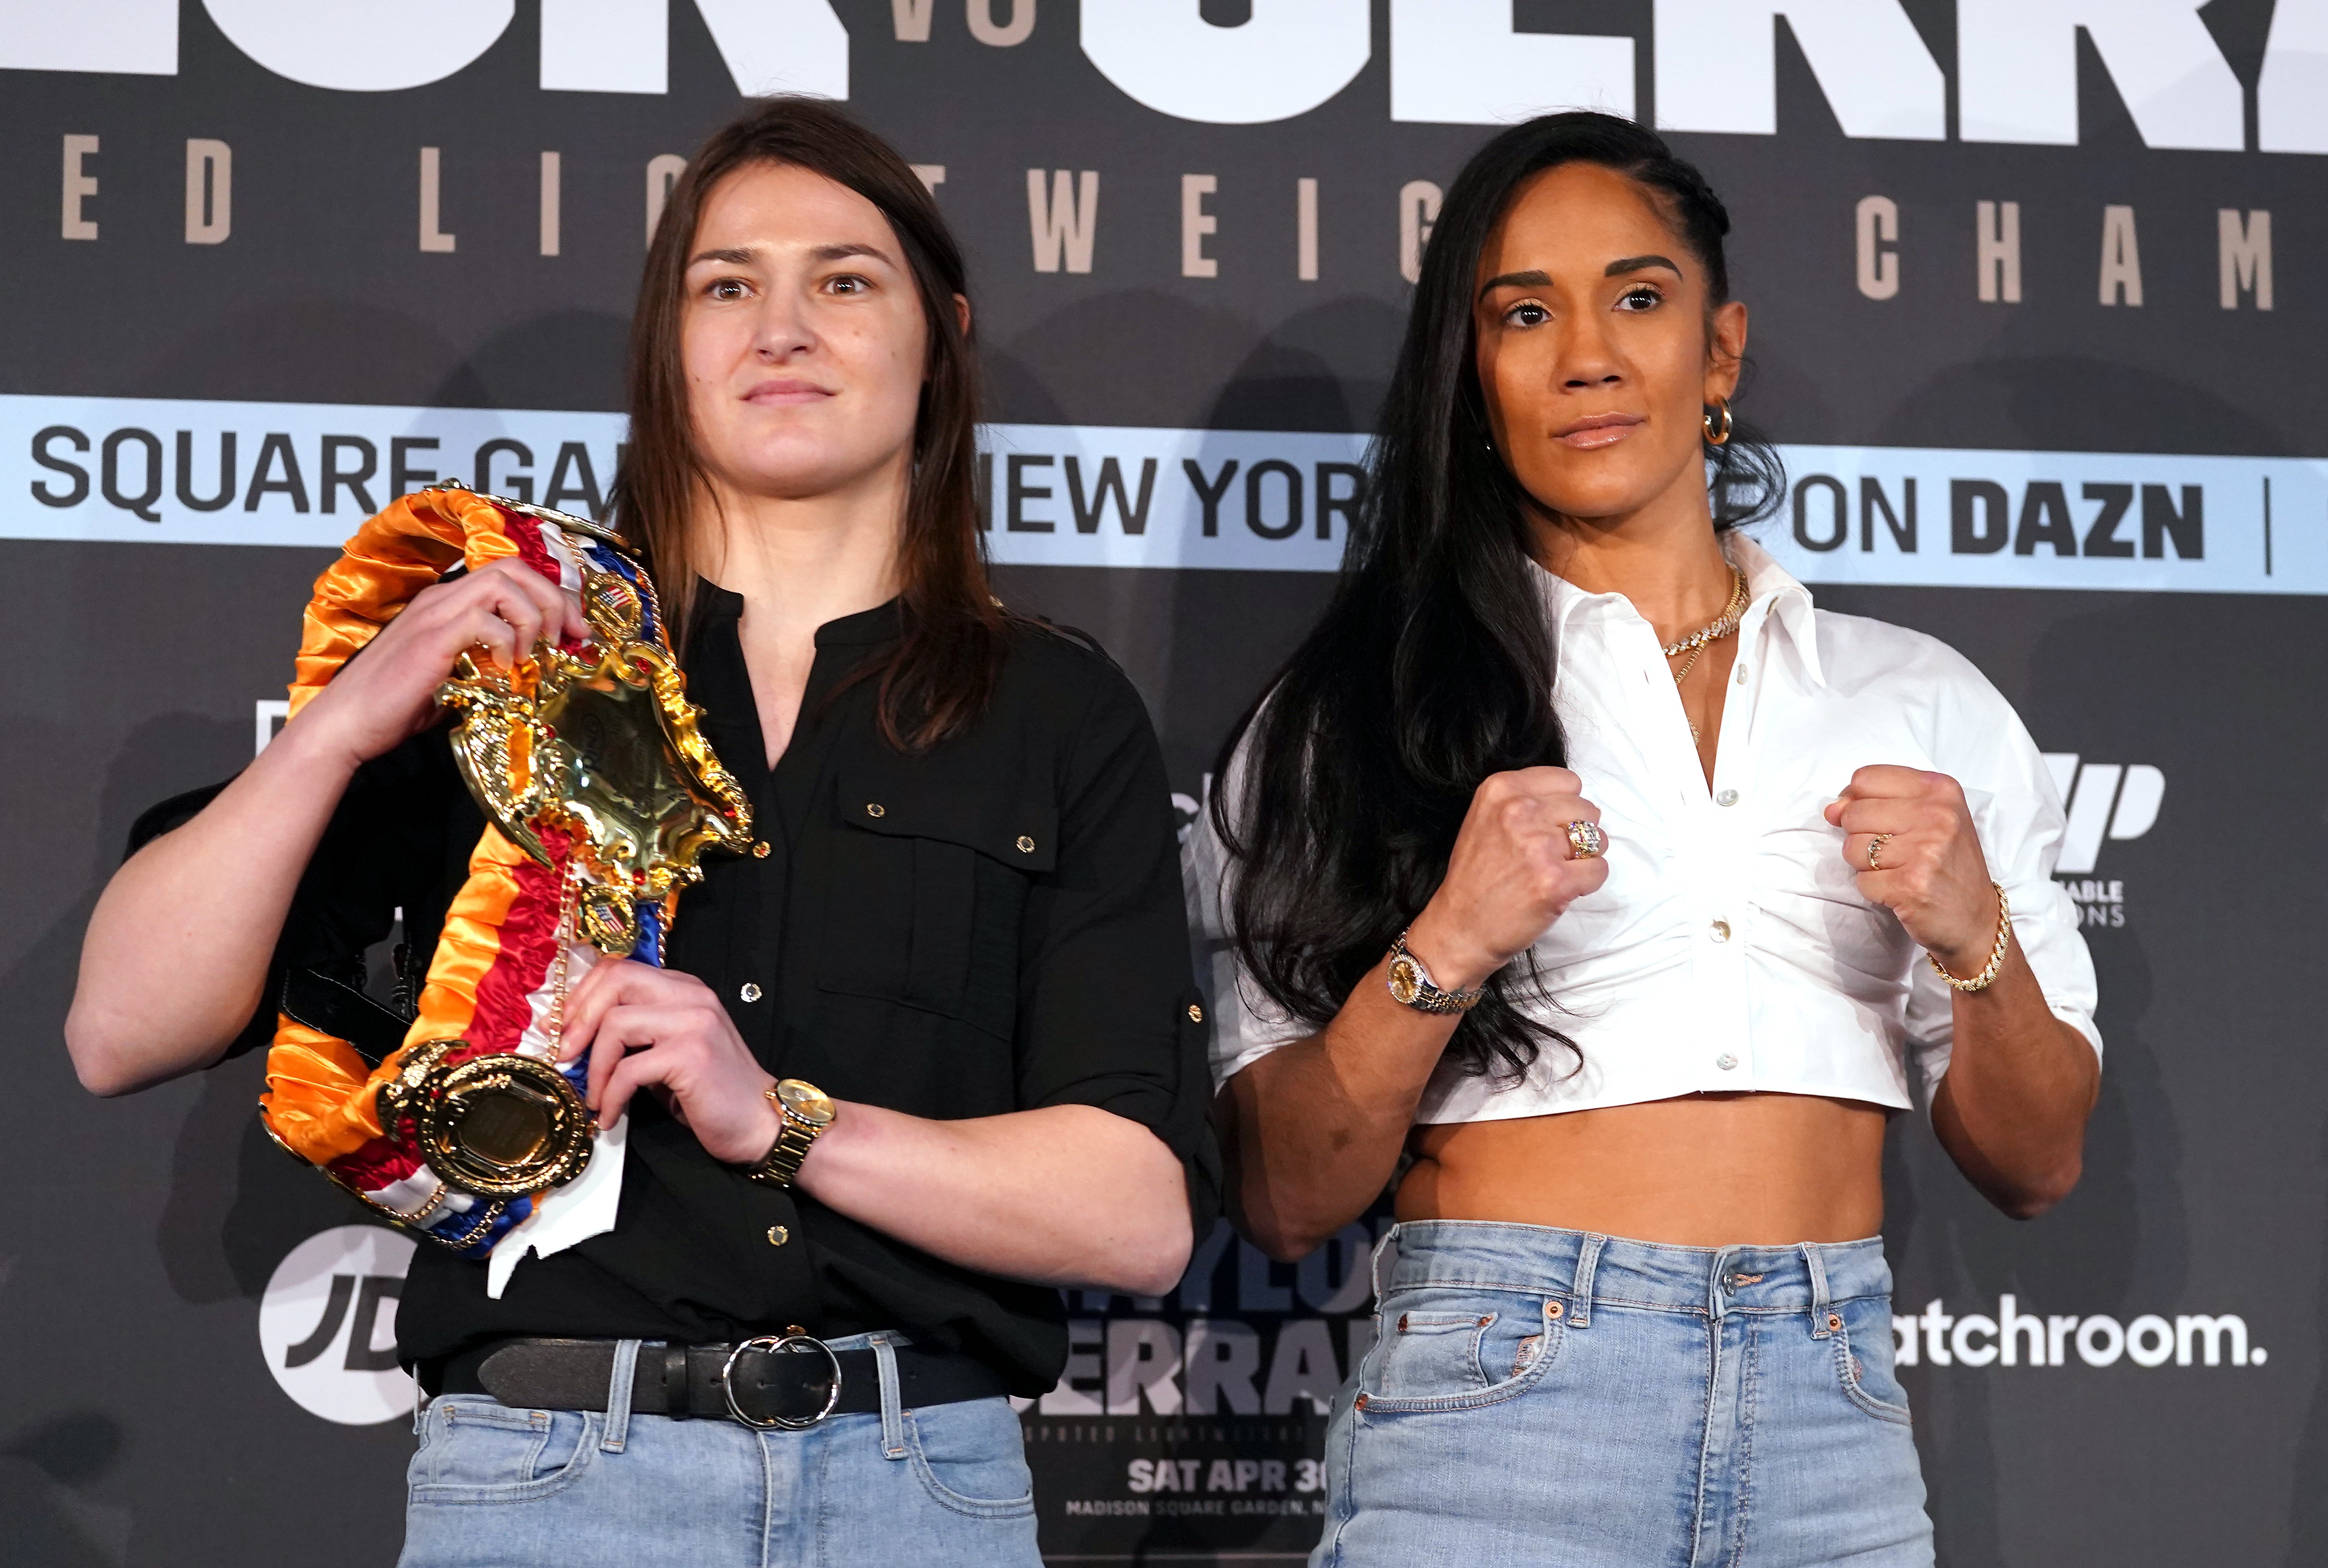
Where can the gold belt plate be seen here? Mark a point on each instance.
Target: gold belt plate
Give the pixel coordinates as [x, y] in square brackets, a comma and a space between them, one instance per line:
[499, 1125]
[603, 747]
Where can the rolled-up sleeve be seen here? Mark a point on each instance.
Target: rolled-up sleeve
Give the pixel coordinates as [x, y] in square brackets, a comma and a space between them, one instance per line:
[1111, 1014]
[1246, 1024]
[2018, 814]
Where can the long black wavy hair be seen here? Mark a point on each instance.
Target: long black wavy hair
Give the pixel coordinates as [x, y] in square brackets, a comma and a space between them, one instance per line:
[1432, 667]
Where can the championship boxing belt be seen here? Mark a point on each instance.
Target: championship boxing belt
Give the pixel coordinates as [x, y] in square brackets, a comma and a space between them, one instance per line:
[602, 794]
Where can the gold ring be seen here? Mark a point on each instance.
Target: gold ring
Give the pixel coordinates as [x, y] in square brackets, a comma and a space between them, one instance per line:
[1586, 840]
[1873, 845]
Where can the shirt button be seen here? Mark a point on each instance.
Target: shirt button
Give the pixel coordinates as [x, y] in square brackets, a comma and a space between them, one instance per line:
[1725, 1061]
[1726, 798]
[760, 851]
[875, 809]
[778, 1235]
[1026, 844]
[751, 991]
[1742, 672]
[1196, 1013]
[1719, 931]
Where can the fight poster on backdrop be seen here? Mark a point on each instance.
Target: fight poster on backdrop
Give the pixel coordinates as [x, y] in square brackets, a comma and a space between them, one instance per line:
[1196, 1421]
[2036, 301]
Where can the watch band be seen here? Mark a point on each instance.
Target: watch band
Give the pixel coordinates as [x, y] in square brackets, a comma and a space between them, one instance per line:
[1411, 985]
[780, 1166]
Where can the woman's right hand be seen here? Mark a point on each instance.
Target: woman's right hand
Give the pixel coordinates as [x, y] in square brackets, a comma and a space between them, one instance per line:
[161, 995]
[1511, 875]
[377, 702]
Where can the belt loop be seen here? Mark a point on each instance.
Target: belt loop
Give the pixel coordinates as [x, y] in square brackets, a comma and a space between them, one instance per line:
[893, 1421]
[1580, 1287]
[1718, 1286]
[1815, 1261]
[421, 1402]
[1389, 1237]
[618, 1397]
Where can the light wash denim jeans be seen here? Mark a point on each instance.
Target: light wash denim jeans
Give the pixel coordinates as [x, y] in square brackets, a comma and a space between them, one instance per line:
[492, 1487]
[1547, 1397]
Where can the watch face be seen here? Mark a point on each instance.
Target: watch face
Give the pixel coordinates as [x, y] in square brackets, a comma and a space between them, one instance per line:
[805, 1100]
[1405, 978]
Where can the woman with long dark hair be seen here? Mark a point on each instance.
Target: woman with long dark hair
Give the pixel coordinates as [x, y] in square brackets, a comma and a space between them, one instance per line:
[1581, 877]
[958, 941]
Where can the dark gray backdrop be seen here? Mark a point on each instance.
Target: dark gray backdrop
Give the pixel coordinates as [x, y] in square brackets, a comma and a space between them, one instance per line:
[138, 1421]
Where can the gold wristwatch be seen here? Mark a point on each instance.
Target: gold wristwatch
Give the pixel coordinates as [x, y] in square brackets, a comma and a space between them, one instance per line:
[807, 1111]
[1410, 985]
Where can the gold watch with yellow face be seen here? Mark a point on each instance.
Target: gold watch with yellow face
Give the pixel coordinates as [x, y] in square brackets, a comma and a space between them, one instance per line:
[807, 1111]
[1411, 985]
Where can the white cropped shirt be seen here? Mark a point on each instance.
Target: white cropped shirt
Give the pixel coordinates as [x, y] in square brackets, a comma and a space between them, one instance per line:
[1729, 948]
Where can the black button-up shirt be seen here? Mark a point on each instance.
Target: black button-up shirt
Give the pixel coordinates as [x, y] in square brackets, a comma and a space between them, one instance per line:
[995, 926]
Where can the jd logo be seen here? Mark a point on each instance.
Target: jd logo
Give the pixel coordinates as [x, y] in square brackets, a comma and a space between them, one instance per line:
[327, 1325]
[2102, 795]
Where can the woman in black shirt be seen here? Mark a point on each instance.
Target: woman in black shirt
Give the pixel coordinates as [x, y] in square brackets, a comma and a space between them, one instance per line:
[962, 922]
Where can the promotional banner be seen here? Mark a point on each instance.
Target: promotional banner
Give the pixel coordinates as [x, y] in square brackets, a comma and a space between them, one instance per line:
[2035, 297]
[1229, 500]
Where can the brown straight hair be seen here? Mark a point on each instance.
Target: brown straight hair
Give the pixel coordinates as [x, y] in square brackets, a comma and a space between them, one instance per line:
[937, 680]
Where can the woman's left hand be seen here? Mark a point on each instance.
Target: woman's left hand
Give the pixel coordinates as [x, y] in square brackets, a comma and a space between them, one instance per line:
[660, 1029]
[1930, 872]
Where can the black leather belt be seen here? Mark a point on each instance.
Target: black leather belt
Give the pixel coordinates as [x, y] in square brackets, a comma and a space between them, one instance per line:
[792, 1382]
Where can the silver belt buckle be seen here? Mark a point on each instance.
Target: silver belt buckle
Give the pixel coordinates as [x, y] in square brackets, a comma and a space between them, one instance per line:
[773, 1345]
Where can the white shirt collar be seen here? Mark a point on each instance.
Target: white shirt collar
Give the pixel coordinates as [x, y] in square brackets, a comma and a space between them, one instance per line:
[1771, 591]
[1789, 602]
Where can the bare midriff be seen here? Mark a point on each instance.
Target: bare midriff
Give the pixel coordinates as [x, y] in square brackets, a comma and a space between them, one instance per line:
[1704, 1171]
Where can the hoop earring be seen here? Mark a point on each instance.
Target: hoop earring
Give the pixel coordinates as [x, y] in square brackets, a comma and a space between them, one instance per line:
[1713, 436]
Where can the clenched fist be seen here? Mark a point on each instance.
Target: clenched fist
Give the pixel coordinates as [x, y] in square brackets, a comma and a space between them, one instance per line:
[1929, 871]
[1512, 873]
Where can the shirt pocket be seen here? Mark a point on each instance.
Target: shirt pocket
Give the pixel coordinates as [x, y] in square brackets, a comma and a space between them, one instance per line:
[930, 880]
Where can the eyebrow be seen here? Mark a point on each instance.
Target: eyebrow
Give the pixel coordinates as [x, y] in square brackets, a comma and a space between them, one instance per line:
[1515, 280]
[747, 255]
[840, 252]
[1539, 279]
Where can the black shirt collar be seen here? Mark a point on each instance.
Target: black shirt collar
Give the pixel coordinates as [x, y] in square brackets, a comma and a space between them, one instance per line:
[864, 629]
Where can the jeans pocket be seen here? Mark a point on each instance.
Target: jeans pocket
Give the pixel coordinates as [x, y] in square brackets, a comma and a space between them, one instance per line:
[474, 1450]
[1457, 1349]
[1863, 1358]
[971, 1457]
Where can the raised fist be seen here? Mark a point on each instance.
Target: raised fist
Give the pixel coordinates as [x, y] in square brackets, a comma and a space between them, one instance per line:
[1514, 869]
[1928, 868]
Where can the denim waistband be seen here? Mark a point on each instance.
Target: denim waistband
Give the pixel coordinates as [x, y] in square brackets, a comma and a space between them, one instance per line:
[1589, 1271]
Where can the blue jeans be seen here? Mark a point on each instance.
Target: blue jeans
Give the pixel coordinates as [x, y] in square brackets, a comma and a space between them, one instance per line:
[1544, 1396]
[492, 1487]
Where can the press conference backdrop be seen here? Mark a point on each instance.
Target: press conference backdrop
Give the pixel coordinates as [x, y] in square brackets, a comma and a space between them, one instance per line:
[2036, 291]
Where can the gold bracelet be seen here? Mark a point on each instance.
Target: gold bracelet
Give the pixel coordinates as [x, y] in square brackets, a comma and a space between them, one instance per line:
[1996, 959]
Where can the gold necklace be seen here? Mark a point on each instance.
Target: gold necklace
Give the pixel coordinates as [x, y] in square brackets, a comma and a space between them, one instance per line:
[1721, 625]
[1713, 631]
